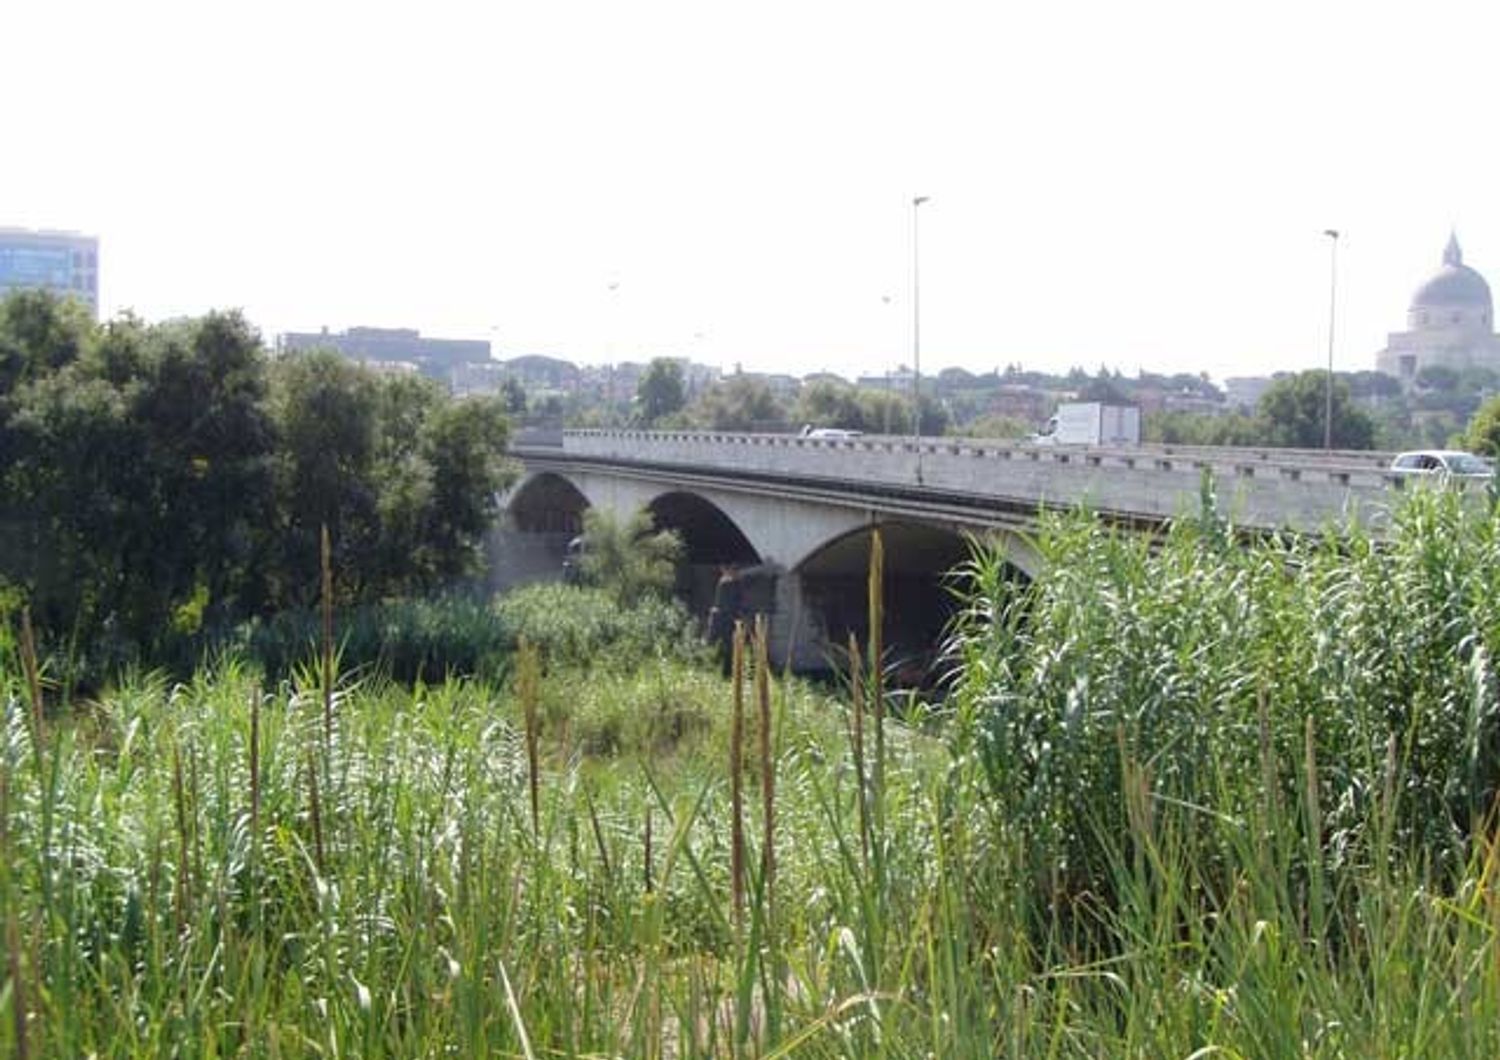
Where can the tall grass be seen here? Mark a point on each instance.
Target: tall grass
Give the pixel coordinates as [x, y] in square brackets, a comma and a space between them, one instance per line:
[1158, 824]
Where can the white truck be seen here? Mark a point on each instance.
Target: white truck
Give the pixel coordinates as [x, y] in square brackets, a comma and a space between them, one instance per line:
[1092, 423]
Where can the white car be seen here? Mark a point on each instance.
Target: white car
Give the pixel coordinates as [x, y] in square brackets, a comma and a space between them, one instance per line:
[1443, 462]
[830, 432]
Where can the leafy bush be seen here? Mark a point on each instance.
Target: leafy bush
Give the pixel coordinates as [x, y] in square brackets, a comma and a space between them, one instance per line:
[579, 625]
[408, 640]
[1350, 678]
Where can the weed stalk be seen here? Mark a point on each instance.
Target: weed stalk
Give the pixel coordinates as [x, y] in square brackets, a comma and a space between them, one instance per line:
[737, 779]
[33, 684]
[326, 565]
[528, 680]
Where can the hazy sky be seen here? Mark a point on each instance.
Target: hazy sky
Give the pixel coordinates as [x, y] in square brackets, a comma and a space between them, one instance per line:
[1136, 183]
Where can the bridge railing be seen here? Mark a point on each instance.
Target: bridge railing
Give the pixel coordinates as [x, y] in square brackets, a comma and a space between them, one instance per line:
[1262, 486]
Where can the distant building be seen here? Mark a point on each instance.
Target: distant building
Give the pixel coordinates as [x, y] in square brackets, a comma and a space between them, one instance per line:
[476, 377]
[1020, 401]
[698, 377]
[897, 379]
[1243, 392]
[438, 358]
[1450, 322]
[783, 386]
[64, 263]
[536, 372]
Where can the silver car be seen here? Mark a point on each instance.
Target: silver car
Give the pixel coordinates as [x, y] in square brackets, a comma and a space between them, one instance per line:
[1443, 462]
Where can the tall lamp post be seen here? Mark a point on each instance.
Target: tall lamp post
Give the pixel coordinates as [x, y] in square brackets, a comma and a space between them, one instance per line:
[916, 330]
[1333, 286]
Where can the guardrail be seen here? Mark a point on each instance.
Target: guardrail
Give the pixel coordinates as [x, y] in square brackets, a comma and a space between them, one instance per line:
[1260, 487]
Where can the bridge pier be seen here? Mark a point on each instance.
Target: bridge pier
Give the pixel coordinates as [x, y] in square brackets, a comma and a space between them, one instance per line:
[795, 632]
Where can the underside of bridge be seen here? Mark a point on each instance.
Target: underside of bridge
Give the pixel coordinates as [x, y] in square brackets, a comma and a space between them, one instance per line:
[918, 595]
[548, 504]
[530, 542]
[712, 542]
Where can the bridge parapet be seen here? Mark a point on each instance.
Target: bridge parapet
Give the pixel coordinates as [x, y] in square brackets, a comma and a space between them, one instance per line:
[1258, 487]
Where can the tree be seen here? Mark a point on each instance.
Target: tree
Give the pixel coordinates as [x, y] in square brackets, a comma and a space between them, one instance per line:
[154, 479]
[1483, 433]
[631, 559]
[829, 404]
[661, 391]
[1438, 377]
[464, 442]
[996, 425]
[739, 403]
[514, 395]
[1292, 414]
[326, 413]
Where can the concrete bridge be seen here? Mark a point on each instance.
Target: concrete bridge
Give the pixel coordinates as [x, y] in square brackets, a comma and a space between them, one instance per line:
[794, 515]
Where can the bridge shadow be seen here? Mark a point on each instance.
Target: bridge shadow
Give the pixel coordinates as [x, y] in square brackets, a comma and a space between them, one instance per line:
[921, 597]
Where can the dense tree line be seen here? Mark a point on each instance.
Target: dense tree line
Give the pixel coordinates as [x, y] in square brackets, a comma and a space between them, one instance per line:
[159, 478]
[1290, 414]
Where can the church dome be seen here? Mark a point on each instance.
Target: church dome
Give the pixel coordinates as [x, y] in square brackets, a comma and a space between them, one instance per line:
[1454, 286]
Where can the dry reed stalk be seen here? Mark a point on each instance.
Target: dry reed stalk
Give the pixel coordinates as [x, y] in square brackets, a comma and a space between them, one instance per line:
[12, 929]
[184, 888]
[326, 563]
[1315, 810]
[33, 681]
[877, 669]
[736, 778]
[647, 868]
[528, 682]
[767, 771]
[193, 802]
[588, 799]
[1314, 834]
[254, 769]
[857, 743]
[316, 809]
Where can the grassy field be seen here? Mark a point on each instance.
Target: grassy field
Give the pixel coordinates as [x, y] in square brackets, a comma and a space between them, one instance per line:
[1206, 800]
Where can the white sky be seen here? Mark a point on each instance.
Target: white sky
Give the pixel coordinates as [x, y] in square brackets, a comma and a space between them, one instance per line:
[1138, 183]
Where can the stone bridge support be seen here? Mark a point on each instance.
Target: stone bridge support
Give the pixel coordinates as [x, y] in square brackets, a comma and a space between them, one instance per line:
[803, 561]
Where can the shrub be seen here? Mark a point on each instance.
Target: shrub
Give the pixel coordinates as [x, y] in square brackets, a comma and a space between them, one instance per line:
[578, 625]
[1135, 678]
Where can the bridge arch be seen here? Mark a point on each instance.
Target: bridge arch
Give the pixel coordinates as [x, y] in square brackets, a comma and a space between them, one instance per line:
[540, 515]
[547, 503]
[712, 541]
[708, 533]
[919, 599]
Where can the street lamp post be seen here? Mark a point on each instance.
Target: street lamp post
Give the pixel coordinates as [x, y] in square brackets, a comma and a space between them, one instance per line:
[916, 330]
[1333, 285]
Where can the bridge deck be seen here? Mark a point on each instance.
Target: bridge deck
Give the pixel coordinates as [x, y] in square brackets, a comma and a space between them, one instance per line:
[1007, 482]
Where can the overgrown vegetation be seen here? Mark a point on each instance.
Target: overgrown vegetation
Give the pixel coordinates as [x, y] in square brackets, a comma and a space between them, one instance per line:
[156, 480]
[628, 559]
[1198, 801]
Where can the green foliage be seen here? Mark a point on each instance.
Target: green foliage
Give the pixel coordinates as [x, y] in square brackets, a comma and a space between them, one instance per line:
[408, 908]
[406, 641]
[1294, 410]
[1483, 433]
[629, 559]
[588, 627]
[661, 391]
[1196, 428]
[826, 403]
[1290, 415]
[739, 403]
[1210, 662]
[513, 394]
[174, 475]
[996, 425]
